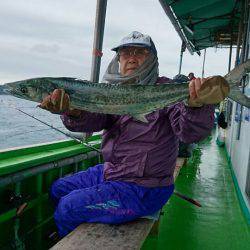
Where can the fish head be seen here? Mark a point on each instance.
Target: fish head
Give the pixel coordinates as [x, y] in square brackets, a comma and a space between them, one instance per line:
[31, 89]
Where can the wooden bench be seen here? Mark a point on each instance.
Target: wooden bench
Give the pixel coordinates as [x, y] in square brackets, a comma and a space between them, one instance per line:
[131, 235]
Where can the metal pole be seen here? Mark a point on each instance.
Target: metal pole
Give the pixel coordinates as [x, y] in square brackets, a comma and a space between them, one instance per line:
[247, 45]
[98, 39]
[180, 62]
[203, 64]
[230, 52]
[239, 40]
[245, 32]
[245, 52]
[183, 47]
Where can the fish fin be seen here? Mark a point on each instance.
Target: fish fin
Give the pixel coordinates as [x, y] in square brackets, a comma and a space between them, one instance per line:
[141, 117]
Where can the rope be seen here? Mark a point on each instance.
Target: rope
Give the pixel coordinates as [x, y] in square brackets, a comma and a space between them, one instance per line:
[97, 52]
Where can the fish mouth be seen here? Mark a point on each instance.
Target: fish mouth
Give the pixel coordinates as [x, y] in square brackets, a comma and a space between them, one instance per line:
[6, 89]
[9, 90]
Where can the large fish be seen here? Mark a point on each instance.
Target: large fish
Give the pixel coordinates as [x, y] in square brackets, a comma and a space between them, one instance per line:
[135, 100]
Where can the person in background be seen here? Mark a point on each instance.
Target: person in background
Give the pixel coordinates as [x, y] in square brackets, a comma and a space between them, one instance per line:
[180, 78]
[191, 76]
[222, 124]
[136, 178]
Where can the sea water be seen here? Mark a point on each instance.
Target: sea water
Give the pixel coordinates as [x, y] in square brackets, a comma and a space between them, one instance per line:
[18, 129]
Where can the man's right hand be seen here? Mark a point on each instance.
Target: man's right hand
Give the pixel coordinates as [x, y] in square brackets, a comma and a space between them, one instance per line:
[58, 102]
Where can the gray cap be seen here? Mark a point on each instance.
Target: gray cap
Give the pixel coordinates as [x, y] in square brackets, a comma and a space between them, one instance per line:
[136, 39]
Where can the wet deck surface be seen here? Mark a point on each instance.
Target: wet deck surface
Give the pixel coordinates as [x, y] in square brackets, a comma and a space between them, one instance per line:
[219, 224]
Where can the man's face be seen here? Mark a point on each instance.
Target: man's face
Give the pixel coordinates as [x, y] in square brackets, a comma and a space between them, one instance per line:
[131, 58]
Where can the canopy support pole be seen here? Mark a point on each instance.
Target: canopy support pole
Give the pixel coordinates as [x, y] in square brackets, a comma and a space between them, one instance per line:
[98, 39]
[244, 54]
[180, 62]
[239, 41]
[231, 48]
[203, 64]
[183, 48]
[230, 54]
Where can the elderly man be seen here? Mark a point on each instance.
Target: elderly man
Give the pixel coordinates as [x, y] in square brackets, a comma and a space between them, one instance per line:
[136, 178]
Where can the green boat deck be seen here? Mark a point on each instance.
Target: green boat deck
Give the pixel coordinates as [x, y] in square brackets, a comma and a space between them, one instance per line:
[219, 223]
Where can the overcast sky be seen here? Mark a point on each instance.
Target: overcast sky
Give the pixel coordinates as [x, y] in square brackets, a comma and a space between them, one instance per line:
[55, 38]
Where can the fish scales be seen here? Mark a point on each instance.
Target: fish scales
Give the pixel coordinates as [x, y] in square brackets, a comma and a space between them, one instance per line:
[130, 94]
[132, 97]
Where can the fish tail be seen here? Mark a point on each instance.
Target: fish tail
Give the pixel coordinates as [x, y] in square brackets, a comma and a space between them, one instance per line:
[237, 96]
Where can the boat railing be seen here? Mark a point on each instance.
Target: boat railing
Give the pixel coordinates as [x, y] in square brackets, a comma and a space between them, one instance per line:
[26, 174]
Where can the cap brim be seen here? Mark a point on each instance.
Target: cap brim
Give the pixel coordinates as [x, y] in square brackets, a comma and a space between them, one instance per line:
[130, 45]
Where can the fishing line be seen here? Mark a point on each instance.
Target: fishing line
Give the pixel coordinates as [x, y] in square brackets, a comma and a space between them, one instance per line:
[31, 131]
[58, 130]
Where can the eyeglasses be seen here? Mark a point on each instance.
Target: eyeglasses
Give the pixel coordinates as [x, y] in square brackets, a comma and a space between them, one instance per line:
[138, 52]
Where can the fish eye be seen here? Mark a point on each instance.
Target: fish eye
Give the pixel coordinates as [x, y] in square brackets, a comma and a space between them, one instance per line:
[23, 90]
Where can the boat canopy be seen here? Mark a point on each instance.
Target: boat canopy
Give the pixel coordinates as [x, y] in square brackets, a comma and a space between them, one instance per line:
[202, 24]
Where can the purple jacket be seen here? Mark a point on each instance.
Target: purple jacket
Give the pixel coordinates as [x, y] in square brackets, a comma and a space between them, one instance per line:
[145, 153]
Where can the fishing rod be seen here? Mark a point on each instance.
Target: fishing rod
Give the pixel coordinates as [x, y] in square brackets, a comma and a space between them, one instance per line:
[58, 130]
[184, 197]
[196, 203]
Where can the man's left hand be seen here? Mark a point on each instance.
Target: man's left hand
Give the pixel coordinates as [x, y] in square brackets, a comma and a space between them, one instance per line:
[194, 87]
[210, 90]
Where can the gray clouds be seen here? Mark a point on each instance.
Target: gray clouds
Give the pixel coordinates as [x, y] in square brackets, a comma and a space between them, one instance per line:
[54, 38]
[43, 38]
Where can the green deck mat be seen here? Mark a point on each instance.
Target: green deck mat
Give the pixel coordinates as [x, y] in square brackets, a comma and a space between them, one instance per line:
[219, 224]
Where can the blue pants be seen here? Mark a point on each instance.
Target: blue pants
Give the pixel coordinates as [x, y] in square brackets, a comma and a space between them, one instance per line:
[86, 197]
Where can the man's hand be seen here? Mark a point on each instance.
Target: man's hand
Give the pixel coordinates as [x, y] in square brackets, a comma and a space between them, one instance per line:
[194, 87]
[58, 102]
[210, 90]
